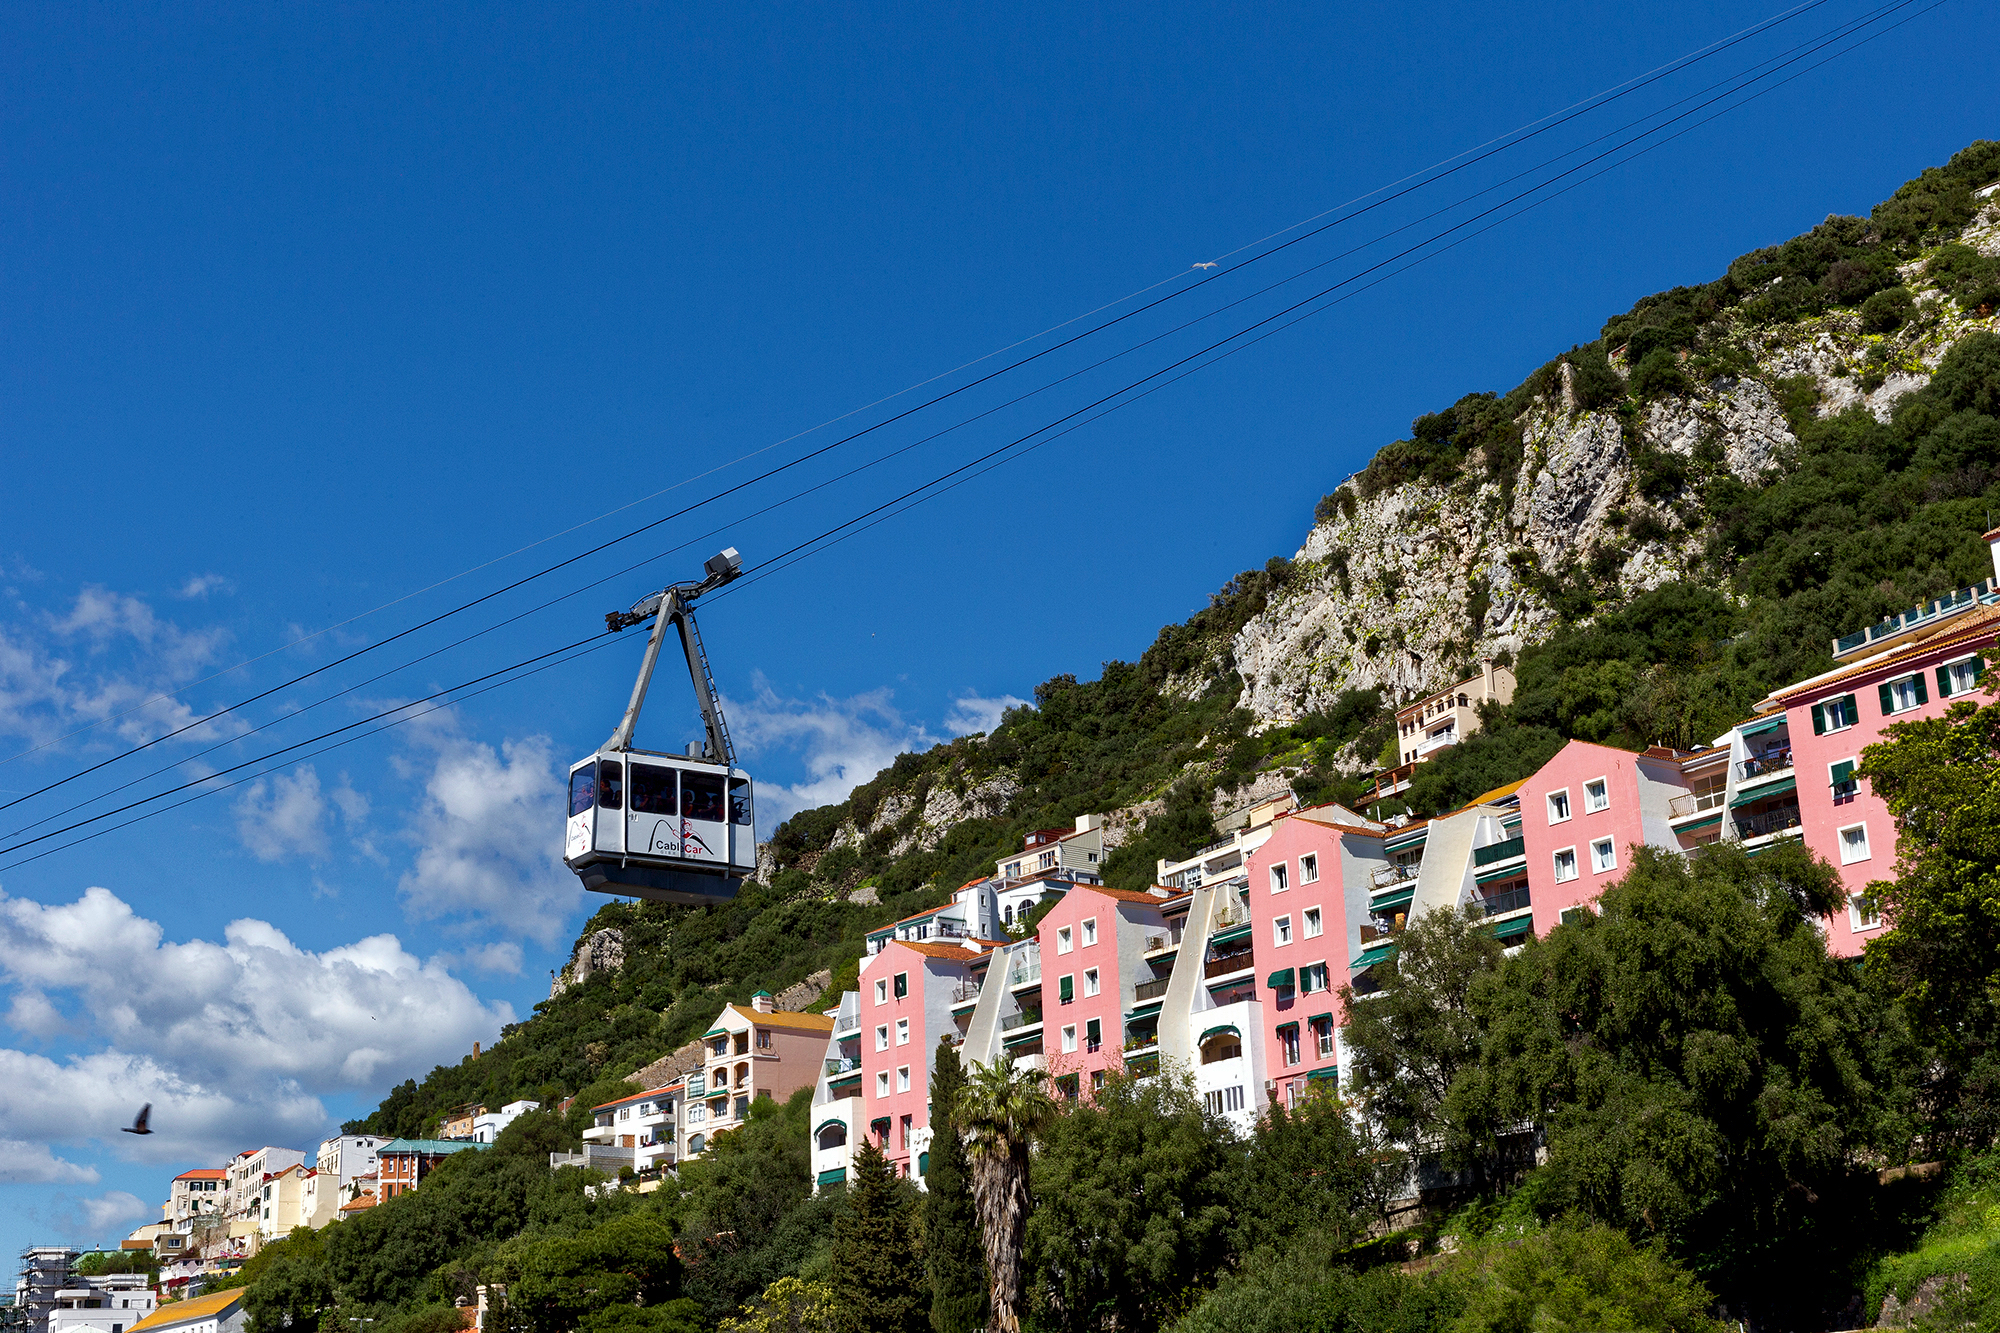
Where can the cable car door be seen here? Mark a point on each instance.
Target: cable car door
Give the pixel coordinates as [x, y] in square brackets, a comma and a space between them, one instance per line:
[704, 824]
[653, 826]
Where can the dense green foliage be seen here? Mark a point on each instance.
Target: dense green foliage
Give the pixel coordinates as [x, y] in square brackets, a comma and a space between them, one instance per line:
[953, 1263]
[878, 1275]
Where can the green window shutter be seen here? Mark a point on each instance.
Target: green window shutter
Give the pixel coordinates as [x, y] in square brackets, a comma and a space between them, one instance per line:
[1923, 693]
[1850, 710]
[1978, 666]
[1068, 988]
[1888, 703]
[1843, 772]
[1819, 719]
[1944, 682]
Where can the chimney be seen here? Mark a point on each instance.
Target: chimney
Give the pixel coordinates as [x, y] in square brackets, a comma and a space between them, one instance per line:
[761, 1002]
[475, 1050]
[1085, 823]
[1486, 665]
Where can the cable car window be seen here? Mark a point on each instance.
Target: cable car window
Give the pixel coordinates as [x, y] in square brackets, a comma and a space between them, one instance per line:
[610, 783]
[739, 801]
[701, 796]
[652, 790]
[582, 789]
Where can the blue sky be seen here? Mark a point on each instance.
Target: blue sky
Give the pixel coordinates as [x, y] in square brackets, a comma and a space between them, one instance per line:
[308, 310]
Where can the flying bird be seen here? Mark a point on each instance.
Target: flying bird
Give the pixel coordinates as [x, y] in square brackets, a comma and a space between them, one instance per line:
[1204, 266]
[142, 1124]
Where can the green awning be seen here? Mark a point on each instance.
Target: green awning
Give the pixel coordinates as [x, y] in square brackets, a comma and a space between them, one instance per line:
[1316, 1017]
[1229, 1028]
[1331, 1071]
[1790, 782]
[1370, 957]
[1762, 725]
[714, 1032]
[1397, 899]
[824, 1123]
[1282, 977]
[1520, 925]
[833, 1176]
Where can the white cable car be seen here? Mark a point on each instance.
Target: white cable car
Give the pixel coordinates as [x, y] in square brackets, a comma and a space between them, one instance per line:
[676, 828]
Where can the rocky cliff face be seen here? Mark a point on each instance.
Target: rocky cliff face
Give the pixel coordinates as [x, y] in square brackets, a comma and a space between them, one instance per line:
[1409, 589]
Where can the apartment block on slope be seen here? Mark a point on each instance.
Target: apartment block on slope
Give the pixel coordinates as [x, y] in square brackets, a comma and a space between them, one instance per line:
[751, 1051]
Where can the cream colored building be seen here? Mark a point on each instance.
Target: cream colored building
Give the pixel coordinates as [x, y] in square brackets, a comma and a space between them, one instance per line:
[752, 1051]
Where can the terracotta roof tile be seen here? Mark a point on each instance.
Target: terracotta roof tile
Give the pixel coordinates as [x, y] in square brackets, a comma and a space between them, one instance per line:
[1974, 625]
[786, 1018]
[949, 952]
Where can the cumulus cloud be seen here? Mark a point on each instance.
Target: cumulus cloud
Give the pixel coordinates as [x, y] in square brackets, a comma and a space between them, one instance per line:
[489, 838]
[201, 585]
[108, 659]
[288, 816]
[89, 1220]
[230, 1042]
[24, 1163]
[972, 714]
[844, 742]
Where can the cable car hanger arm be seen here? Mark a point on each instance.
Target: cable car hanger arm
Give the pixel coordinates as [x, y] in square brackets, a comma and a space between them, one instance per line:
[675, 604]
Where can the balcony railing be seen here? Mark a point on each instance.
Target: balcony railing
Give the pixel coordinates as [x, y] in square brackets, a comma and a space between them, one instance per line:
[1228, 962]
[1497, 903]
[1771, 821]
[1499, 851]
[1386, 876]
[845, 1064]
[1777, 761]
[1150, 990]
[1025, 974]
[1026, 1018]
[964, 991]
[1161, 943]
[1695, 802]
[1376, 930]
[1951, 604]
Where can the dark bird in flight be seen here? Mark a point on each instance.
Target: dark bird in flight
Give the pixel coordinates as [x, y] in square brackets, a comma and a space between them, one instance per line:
[142, 1124]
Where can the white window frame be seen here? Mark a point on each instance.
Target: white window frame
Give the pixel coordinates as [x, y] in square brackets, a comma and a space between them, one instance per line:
[882, 991]
[1068, 1038]
[1281, 877]
[1314, 972]
[882, 1037]
[1090, 986]
[1309, 868]
[1568, 810]
[1600, 799]
[1846, 858]
[1895, 693]
[1089, 931]
[1603, 855]
[902, 1078]
[902, 1032]
[1556, 861]
[881, 1085]
[1281, 930]
[1854, 918]
[1827, 717]
[1967, 661]
[1311, 923]
[1064, 941]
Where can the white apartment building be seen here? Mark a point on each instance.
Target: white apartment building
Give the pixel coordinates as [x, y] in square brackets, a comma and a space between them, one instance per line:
[279, 1202]
[1243, 833]
[244, 1199]
[203, 1192]
[110, 1303]
[486, 1126]
[346, 1158]
[837, 1115]
[1054, 851]
[641, 1131]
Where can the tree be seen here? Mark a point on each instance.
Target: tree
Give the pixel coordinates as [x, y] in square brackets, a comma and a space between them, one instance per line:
[1315, 1168]
[1005, 1107]
[1578, 1279]
[1411, 1040]
[789, 1305]
[1133, 1197]
[288, 1293]
[878, 1282]
[1941, 780]
[1704, 1073]
[628, 1261]
[952, 1258]
[1305, 1288]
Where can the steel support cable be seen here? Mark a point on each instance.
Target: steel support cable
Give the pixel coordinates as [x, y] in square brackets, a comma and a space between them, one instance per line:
[771, 567]
[786, 559]
[310, 740]
[1492, 148]
[604, 642]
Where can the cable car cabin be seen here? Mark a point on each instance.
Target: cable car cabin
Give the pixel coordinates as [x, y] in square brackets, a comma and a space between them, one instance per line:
[667, 827]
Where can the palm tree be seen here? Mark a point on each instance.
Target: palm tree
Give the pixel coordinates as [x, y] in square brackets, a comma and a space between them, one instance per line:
[1000, 1111]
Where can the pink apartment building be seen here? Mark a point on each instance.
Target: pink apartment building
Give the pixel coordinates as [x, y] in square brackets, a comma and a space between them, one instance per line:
[1583, 812]
[1833, 717]
[1093, 948]
[907, 993]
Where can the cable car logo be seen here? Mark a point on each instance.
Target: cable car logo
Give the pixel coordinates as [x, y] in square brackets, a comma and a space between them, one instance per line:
[663, 841]
[691, 843]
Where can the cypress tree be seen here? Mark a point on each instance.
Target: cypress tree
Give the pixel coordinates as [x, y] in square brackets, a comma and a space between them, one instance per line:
[878, 1280]
[953, 1257]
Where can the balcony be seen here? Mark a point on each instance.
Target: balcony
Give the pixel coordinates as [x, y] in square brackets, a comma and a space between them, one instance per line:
[1026, 1018]
[845, 1064]
[1431, 744]
[1695, 802]
[1511, 901]
[1163, 943]
[845, 1024]
[1499, 851]
[1150, 990]
[965, 992]
[1373, 932]
[1390, 876]
[1951, 604]
[1025, 975]
[1223, 964]
[1767, 823]
[1764, 766]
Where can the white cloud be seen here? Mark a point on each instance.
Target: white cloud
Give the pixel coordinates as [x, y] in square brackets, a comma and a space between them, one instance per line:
[845, 742]
[98, 1219]
[489, 838]
[971, 714]
[201, 585]
[231, 1042]
[283, 816]
[502, 958]
[23, 1163]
